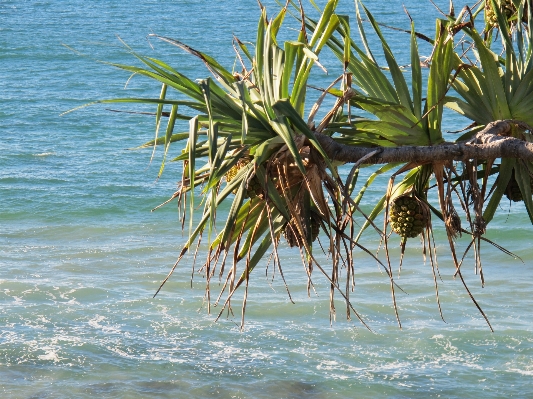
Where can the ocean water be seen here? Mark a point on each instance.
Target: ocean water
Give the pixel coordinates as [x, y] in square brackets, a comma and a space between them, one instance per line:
[81, 255]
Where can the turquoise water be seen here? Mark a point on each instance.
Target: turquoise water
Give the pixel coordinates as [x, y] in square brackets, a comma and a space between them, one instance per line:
[81, 254]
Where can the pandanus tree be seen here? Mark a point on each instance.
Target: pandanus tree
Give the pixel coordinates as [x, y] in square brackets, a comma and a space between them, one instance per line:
[255, 143]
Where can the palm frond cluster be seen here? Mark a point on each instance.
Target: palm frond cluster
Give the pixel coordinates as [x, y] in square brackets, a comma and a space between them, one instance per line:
[250, 145]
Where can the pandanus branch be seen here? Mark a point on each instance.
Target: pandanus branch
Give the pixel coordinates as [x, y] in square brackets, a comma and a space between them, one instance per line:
[490, 143]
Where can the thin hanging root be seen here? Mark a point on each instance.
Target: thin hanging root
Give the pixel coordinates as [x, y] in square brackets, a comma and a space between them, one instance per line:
[371, 222]
[308, 267]
[433, 262]
[423, 242]
[276, 256]
[386, 245]
[475, 302]
[488, 167]
[247, 279]
[477, 257]
[478, 225]
[451, 219]
[505, 251]
[228, 299]
[229, 312]
[230, 273]
[438, 170]
[389, 272]
[463, 258]
[233, 271]
[273, 269]
[388, 196]
[320, 242]
[452, 250]
[394, 300]
[381, 244]
[499, 247]
[334, 281]
[183, 205]
[402, 252]
[223, 265]
[219, 250]
[183, 251]
[314, 186]
[331, 282]
[243, 277]
[344, 236]
[195, 256]
[223, 248]
[245, 293]
[350, 271]
[332, 310]
[208, 281]
[386, 240]
[175, 195]
[435, 254]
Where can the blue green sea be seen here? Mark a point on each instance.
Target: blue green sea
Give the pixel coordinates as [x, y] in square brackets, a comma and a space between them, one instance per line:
[81, 253]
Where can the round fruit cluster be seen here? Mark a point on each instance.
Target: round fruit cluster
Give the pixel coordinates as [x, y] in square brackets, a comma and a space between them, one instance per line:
[512, 191]
[230, 174]
[254, 188]
[506, 7]
[290, 229]
[406, 217]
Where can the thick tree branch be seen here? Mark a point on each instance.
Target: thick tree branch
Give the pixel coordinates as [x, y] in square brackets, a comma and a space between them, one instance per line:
[492, 142]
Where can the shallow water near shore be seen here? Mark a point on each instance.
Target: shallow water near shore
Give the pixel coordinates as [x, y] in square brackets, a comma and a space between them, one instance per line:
[81, 255]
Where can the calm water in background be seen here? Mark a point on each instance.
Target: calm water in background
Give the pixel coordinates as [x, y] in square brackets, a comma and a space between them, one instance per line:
[81, 254]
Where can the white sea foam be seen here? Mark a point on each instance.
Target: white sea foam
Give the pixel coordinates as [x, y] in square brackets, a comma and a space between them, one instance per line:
[95, 323]
[120, 352]
[176, 360]
[522, 372]
[50, 354]
[18, 301]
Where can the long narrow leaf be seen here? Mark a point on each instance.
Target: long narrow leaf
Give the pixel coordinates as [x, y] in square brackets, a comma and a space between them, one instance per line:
[168, 134]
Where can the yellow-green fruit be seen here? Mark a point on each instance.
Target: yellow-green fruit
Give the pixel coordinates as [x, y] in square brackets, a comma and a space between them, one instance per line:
[230, 174]
[406, 217]
[506, 7]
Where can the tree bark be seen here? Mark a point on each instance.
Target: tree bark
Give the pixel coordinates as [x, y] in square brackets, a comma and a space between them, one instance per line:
[492, 142]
